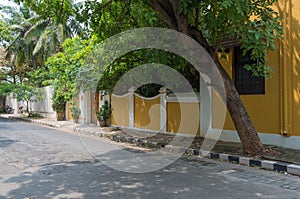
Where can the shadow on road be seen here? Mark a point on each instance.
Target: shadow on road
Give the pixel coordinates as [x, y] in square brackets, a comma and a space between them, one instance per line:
[4, 142]
[86, 179]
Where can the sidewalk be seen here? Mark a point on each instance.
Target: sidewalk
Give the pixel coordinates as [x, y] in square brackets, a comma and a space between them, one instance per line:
[279, 159]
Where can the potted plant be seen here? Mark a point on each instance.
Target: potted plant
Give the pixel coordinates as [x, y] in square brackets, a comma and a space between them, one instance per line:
[75, 113]
[104, 113]
[59, 105]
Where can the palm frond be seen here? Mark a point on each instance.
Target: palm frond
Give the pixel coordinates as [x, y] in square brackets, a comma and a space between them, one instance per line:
[36, 30]
[39, 43]
[59, 32]
[34, 19]
[52, 44]
[20, 28]
[76, 28]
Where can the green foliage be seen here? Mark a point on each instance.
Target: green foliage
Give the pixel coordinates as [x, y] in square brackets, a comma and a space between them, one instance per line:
[104, 111]
[254, 23]
[58, 103]
[5, 33]
[75, 112]
[35, 115]
[109, 17]
[27, 93]
[5, 88]
[111, 74]
[63, 68]
[58, 10]
[38, 30]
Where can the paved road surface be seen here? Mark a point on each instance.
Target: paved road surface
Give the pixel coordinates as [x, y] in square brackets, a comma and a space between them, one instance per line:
[46, 163]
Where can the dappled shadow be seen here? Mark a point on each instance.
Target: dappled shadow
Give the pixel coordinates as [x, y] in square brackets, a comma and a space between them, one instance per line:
[194, 178]
[292, 58]
[5, 123]
[4, 142]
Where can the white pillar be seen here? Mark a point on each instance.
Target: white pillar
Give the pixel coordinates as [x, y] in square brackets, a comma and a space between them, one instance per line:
[163, 109]
[82, 118]
[131, 106]
[88, 106]
[67, 111]
[205, 105]
[16, 106]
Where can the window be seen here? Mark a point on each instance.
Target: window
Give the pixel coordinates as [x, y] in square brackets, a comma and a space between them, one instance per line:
[245, 82]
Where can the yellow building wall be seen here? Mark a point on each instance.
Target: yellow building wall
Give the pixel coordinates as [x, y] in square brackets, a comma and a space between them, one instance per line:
[264, 110]
[279, 109]
[69, 104]
[186, 123]
[120, 111]
[147, 113]
[293, 31]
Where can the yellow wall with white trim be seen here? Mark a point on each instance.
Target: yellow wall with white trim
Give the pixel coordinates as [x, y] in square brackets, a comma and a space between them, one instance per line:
[120, 111]
[279, 109]
[183, 117]
[147, 113]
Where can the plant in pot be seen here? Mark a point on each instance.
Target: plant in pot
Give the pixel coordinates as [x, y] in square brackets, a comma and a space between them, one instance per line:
[59, 105]
[104, 113]
[75, 113]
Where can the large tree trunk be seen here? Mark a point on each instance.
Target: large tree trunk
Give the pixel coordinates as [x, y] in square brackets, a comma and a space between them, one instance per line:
[251, 142]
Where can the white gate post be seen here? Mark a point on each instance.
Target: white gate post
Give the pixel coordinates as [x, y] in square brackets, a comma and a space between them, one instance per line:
[131, 106]
[205, 105]
[163, 109]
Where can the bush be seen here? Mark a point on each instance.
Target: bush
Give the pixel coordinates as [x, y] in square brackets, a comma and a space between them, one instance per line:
[36, 115]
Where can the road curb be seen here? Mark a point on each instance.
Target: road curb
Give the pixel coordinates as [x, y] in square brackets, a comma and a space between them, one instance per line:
[246, 161]
[34, 121]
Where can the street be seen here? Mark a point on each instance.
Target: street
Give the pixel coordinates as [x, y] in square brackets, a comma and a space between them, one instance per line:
[42, 162]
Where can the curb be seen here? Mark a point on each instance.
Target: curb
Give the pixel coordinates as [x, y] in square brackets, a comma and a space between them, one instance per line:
[246, 161]
[34, 121]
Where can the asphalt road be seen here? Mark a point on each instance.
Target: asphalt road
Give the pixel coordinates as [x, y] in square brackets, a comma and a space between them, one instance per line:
[45, 163]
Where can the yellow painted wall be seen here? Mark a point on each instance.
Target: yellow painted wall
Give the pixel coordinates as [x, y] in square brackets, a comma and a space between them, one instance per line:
[147, 113]
[183, 122]
[278, 109]
[294, 34]
[69, 116]
[264, 110]
[120, 111]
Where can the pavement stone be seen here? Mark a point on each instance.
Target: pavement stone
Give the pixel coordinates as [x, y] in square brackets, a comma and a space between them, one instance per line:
[143, 142]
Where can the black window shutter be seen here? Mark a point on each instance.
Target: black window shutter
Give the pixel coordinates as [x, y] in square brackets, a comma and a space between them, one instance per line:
[246, 83]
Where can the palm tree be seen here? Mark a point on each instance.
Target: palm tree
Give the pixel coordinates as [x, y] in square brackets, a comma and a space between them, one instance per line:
[38, 37]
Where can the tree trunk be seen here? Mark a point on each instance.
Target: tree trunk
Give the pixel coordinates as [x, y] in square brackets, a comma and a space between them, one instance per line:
[249, 138]
[2, 103]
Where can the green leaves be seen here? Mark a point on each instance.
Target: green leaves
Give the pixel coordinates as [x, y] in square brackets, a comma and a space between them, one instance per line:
[185, 6]
[63, 68]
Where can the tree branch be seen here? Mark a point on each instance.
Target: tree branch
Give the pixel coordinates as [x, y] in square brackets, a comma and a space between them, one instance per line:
[182, 19]
[198, 36]
[166, 14]
[197, 17]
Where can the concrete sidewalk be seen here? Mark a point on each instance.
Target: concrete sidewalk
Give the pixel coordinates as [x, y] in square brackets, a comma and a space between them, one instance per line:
[278, 159]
